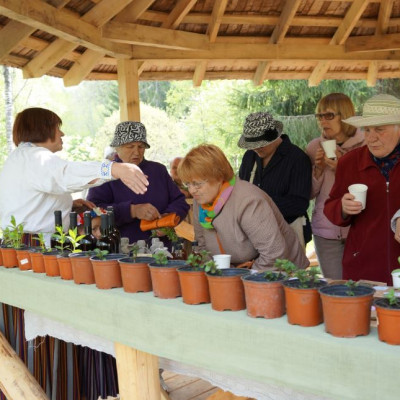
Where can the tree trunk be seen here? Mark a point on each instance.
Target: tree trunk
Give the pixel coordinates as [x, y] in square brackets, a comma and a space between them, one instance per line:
[8, 101]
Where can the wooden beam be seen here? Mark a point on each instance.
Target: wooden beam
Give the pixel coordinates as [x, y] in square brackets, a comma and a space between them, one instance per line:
[216, 17]
[385, 11]
[82, 67]
[40, 15]
[199, 73]
[372, 73]
[138, 377]
[58, 3]
[390, 41]
[47, 59]
[178, 13]
[104, 11]
[149, 36]
[285, 20]
[128, 88]
[261, 71]
[16, 382]
[342, 33]
[12, 35]
[134, 11]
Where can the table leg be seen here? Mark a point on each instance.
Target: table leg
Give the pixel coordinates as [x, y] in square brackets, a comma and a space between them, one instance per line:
[138, 376]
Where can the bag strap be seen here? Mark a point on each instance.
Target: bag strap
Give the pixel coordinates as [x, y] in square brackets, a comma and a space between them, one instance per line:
[253, 172]
[221, 249]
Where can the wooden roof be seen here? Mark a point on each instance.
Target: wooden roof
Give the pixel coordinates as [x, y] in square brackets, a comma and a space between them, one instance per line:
[203, 39]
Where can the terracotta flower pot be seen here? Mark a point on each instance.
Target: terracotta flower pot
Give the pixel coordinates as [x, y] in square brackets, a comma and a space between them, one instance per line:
[37, 262]
[165, 279]
[194, 285]
[388, 318]
[264, 298]
[107, 273]
[65, 266]
[82, 269]
[24, 259]
[135, 274]
[303, 305]
[1, 257]
[9, 257]
[50, 263]
[226, 290]
[347, 315]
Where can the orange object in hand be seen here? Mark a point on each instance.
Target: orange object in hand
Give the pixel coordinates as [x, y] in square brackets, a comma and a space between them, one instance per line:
[168, 221]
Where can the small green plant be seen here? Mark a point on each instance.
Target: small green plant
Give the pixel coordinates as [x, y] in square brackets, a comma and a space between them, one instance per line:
[272, 276]
[61, 238]
[351, 285]
[42, 242]
[74, 239]
[392, 298]
[15, 233]
[199, 261]
[211, 267]
[161, 258]
[100, 254]
[283, 265]
[307, 277]
[167, 231]
[6, 237]
[134, 251]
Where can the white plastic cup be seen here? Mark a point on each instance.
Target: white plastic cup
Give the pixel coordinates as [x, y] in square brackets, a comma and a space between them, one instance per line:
[396, 278]
[359, 191]
[222, 260]
[329, 147]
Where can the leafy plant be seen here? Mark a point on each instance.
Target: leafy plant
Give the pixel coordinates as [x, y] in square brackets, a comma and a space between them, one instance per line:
[167, 231]
[100, 254]
[74, 239]
[272, 276]
[392, 298]
[351, 285]
[161, 258]
[202, 260]
[307, 277]
[15, 233]
[6, 237]
[283, 265]
[134, 251]
[42, 242]
[61, 237]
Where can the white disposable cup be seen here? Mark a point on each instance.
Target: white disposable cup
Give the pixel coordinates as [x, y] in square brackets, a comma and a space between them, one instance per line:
[359, 191]
[329, 147]
[222, 260]
[396, 278]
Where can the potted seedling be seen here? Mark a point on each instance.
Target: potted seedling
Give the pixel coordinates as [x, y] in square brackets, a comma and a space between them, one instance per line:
[388, 318]
[341, 301]
[264, 292]
[135, 272]
[107, 273]
[13, 234]
[63, 259]
[193, 280]
[164, 276]
[303, 302]
[37, 254]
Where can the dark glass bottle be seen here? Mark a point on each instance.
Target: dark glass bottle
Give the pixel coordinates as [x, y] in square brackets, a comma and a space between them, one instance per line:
[179, 252]
[54, 242]
[104, 242]
[113, 230]
[88, 242]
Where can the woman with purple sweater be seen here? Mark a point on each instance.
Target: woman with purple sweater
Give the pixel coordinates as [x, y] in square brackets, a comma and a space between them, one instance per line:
[162, 196]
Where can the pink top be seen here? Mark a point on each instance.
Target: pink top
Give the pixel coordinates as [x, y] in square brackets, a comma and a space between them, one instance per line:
[321, 188]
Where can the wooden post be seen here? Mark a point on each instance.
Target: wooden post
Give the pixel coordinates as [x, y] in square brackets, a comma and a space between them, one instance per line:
[16, 381]
[138, 376]
[128, 88]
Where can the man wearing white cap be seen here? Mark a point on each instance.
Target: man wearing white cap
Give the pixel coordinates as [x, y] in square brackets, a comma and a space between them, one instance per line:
[371, 250]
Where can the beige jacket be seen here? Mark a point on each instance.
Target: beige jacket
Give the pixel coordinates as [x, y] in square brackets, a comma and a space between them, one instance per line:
[249, 227]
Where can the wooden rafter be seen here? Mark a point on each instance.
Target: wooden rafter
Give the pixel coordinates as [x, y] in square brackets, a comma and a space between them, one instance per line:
[199, 73]
[105, 11]
[342, 33]
[178, 13]
[12, 35]
[391, 41]
[133, 11]
[216, 17]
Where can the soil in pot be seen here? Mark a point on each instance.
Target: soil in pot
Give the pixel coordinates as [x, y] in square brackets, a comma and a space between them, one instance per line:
[303, 305]
[194, 285]
[347, 311]
[65, 266]
[388, 321]
[226, 290]
[24, 259]
[165, 280]
[9, 257]
[37, 261]
[107, 273]
[82, 269]
[135, 274]
[264, 298]
[50, 263]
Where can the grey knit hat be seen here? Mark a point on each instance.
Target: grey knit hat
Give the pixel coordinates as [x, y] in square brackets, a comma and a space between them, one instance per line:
[128, 132]
[259, 130]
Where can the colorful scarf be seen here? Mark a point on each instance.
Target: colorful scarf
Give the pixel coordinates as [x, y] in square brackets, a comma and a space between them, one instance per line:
[385, 164]
[207, 212]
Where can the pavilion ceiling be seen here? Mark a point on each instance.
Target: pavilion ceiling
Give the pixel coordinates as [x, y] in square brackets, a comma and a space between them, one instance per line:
[203, 39]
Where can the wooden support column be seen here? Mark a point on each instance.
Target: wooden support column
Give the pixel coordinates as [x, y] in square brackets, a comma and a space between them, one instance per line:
[16, 381]
[128, 87]
[138, 376]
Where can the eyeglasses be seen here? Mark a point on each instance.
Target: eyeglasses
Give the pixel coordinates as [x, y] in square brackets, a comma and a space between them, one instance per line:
[194, 185]
[328, 116]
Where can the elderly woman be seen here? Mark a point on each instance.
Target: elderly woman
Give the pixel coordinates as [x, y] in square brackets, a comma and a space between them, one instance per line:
[35, 182]
[233, 216]
[162, 195]
[371, 250]
[329, 239]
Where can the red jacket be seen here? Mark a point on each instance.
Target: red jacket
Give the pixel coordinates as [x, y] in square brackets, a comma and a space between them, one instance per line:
[370, 250]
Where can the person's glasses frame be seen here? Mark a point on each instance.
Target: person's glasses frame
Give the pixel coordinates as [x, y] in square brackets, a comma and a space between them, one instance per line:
[194, 185]
[327, 116]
